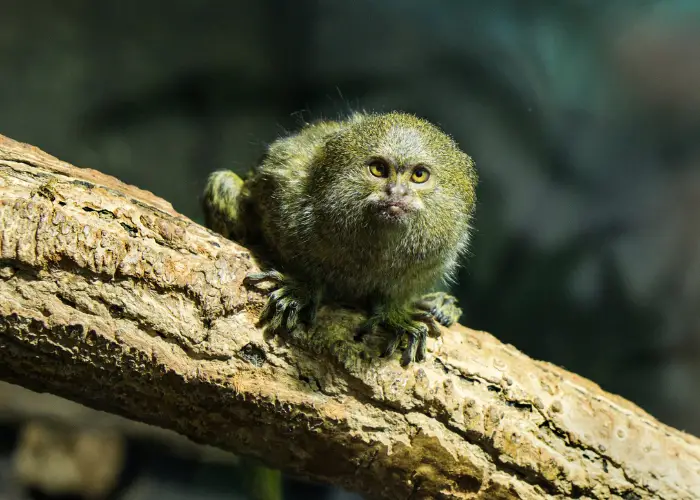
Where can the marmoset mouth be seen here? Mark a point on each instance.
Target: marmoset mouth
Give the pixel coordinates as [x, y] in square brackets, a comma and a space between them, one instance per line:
[394, 210]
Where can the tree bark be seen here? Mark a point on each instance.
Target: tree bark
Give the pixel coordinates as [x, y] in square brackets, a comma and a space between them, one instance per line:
[110, 298]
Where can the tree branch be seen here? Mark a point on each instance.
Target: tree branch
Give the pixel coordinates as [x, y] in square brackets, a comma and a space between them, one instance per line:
[110, 298]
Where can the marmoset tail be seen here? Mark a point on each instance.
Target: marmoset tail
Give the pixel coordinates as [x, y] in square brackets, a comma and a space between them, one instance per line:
[373, 211]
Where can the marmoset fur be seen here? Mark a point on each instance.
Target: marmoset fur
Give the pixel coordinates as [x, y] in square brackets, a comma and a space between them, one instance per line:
[372, 211]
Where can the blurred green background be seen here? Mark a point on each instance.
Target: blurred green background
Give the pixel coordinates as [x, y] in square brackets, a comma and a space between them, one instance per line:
[583, 118]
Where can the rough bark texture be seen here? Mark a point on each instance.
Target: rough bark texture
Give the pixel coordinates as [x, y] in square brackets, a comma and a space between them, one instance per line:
[110, 298]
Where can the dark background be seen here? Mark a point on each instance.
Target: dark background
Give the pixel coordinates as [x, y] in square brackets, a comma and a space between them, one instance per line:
[583, 118]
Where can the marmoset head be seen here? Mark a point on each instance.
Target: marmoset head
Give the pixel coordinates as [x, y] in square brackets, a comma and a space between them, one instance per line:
[395, 170]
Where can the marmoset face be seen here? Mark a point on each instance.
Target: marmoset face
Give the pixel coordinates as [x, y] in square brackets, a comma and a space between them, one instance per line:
[397, 171]
[396, 190]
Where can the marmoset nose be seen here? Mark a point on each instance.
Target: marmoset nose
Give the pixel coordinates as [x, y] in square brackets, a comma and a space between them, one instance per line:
[396, 190]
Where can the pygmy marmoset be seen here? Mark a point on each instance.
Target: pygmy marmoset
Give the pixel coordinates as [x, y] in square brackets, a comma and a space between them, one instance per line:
[371, 211]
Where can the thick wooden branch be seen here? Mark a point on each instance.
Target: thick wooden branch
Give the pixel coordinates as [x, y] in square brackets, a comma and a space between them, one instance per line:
[110, 298]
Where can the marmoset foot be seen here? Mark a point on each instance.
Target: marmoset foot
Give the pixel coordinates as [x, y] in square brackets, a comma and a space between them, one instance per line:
[442, 306]
[289, 303]
[414, 325]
